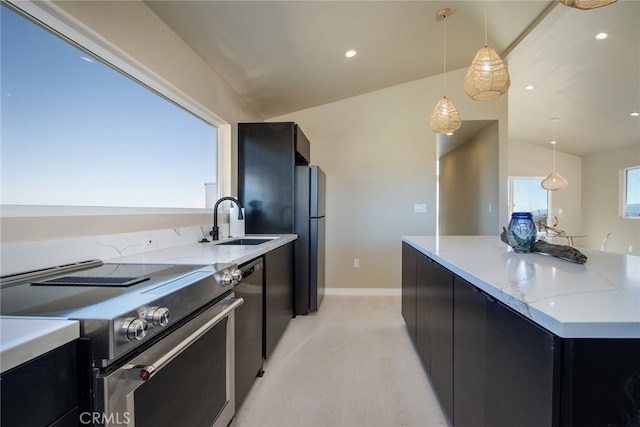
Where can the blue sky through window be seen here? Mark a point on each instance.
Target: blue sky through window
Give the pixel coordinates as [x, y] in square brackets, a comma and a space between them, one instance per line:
[77, 132]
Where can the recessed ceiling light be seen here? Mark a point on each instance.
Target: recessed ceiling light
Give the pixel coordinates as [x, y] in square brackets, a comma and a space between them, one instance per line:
[602, 36]
[350, 53]
[635, 114]
[529, 87]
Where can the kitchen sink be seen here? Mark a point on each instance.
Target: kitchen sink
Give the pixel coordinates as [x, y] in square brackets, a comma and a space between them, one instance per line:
[245, 242]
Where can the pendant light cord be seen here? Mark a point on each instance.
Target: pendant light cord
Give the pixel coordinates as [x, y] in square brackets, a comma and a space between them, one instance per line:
[444, 73]
[554, 147]
[485, 24]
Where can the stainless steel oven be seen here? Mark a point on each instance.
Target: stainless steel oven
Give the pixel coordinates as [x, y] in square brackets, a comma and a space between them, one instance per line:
[186, 378]
[158, 339]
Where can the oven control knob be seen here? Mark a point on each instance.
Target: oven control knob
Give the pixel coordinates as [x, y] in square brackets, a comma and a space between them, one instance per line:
[134, 329]
[227, 280]
[158, 316]
[237, 275]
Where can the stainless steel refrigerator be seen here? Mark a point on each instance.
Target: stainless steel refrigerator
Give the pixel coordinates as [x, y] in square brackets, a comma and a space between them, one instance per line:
[282, 194]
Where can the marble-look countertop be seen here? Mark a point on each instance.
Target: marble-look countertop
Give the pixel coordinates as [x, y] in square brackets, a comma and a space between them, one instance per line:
[25, 338]
[598, 299]
[209, 253]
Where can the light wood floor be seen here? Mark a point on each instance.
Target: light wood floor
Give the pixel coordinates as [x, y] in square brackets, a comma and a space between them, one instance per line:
[351, 364]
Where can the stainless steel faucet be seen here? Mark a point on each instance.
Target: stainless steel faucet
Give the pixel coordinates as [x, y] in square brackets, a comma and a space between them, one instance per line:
[214, 232]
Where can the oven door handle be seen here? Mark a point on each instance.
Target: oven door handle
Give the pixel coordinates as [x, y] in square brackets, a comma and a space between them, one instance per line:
[148, 371]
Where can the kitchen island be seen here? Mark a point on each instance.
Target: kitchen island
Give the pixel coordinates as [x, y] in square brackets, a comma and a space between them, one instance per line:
[524, 339]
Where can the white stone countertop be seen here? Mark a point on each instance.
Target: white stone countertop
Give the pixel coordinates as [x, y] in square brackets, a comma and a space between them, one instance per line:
[23, 339]
[598, 299]
[209, 253]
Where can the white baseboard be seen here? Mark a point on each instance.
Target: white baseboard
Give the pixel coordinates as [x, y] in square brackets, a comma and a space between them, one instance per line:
[363, 291]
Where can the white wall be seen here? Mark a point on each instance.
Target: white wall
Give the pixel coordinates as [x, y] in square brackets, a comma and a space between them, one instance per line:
[602, 200]
[379, 155]
[469, 185]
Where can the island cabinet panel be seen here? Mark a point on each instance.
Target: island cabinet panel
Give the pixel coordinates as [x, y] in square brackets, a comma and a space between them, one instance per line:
[423, 314]
[602, 378]
[469, 350]
[427, 300]
[440, 297]
[522, 361]
[409, 296]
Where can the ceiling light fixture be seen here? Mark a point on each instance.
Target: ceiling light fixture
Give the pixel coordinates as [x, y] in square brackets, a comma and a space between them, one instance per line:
[554, 181]
[602, 36]
[445, 117]
[350, 53]
[487, 78]
[529, 87]
[635, 114]
[586, 4]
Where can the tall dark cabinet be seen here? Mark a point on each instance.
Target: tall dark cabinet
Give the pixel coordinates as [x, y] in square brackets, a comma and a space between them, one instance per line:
[267, 156]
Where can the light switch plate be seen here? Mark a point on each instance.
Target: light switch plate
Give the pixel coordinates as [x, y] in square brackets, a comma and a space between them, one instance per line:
[420, 208]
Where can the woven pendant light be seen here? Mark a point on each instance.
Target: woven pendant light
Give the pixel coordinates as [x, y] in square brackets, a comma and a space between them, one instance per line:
[445, 117]
[587, 4]
[554, 181]
[487, 77]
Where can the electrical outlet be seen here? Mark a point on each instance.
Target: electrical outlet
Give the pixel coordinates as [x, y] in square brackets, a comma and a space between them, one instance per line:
[356, 262]
[149, 242]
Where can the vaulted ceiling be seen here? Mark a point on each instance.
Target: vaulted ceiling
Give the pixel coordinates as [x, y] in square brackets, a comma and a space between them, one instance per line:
[286, 56]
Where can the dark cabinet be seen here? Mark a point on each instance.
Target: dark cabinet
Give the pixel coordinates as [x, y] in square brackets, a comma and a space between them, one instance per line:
[427, 300]
[409, 288]
[469, 354]
[42, 391]
[603, 376]
[278, 295]
[423, 318]
[267, 155]
[521, 370]
[248, 328]
[440, 300]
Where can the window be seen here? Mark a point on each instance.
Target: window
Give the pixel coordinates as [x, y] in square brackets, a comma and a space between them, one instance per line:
[76, 131]
[631, 200]
[527, 195]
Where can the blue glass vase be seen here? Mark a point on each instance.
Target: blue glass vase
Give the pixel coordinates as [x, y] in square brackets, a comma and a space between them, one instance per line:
[521, 232]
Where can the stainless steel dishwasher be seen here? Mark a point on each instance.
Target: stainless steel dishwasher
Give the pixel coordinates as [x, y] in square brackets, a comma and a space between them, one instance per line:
[248, 324]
